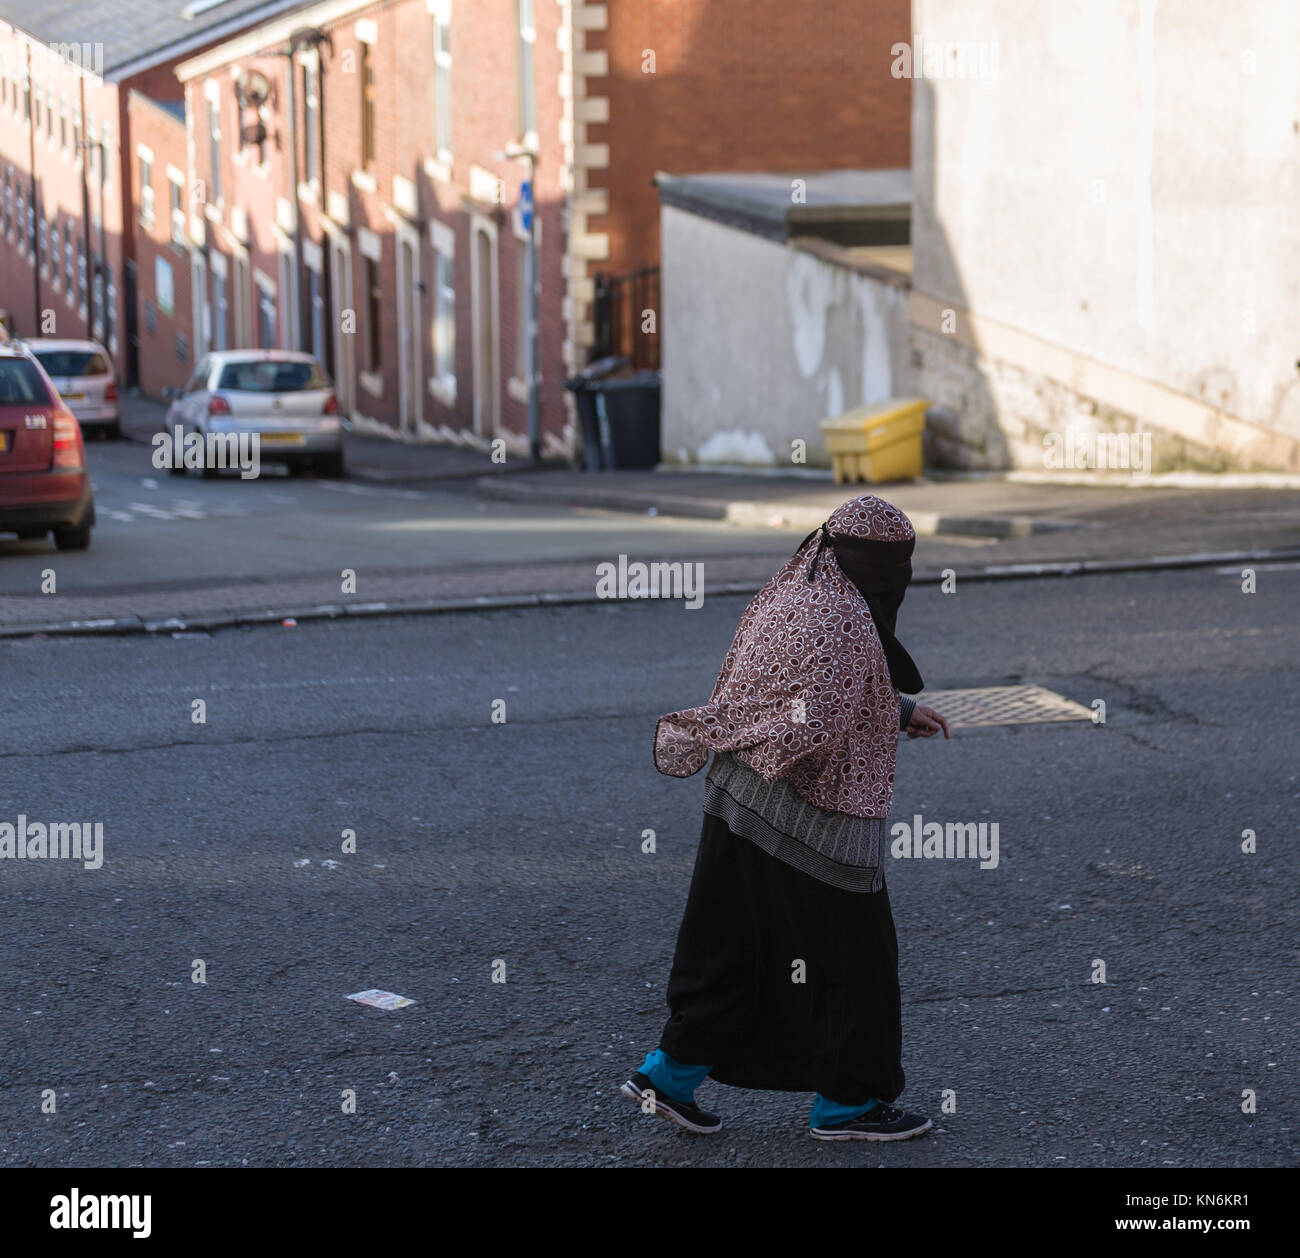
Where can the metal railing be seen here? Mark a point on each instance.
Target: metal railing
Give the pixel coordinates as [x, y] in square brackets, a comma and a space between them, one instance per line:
[626, 317]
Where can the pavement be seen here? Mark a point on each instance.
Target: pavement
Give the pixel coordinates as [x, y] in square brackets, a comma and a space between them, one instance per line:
[514, 847]
[514, 851]
[381, 460]
[425, 529]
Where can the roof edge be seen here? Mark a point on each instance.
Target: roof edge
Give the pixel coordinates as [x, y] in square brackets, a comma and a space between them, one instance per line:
[249, 40]
[177, 48]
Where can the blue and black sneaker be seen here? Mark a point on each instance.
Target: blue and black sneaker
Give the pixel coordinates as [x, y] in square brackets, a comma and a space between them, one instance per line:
[684, 1113]
[881, 1122]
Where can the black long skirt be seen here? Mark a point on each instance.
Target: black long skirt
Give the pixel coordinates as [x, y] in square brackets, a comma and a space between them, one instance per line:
[782, 982]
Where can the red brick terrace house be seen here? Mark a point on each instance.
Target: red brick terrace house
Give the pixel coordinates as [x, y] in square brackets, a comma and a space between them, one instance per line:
[691, 86]
[72, 73]
[353, 195]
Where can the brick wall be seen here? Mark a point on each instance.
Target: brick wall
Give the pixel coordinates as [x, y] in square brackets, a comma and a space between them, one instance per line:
[760, 86]
[408, 193]
[47, 159]
[164, 320]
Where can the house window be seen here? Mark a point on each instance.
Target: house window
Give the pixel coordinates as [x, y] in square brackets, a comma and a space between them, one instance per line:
[164, 286]
[110, 307]
[146, 189]
[374, 299]
[214, 149]
[97, 284]
[444, 318]
[52, 261]
[63, 123]
[311, 122]
[219, 311]
[49, 115]
[265, 316]
[24, 231]
[367, 106]
[67, 258]
[316, 300]
[108, 166]
[442, 80]
[81, 272]
[178, 211]
[527, 69]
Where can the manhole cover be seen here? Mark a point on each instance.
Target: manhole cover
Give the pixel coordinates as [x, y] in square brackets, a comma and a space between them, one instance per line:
[1005, 705]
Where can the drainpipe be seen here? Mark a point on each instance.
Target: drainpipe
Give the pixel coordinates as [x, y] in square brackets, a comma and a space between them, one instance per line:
[31, 200]
[297, 208]
[86, 248]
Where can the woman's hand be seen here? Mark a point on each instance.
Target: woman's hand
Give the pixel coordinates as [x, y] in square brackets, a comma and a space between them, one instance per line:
[926, 723]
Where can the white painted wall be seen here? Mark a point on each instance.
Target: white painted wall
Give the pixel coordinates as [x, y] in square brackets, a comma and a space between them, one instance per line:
[761, 341]
[1128, 187]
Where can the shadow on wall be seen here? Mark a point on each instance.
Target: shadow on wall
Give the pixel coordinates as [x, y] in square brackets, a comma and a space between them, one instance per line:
[963, 428]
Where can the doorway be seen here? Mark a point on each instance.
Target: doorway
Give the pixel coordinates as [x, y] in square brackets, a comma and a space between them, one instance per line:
[487, 329]
[344, 327]
[409, 366]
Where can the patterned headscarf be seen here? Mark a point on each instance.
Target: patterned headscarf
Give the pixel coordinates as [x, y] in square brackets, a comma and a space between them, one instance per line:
[805, 692]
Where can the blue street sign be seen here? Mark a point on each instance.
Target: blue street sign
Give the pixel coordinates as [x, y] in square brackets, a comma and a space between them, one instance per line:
[526, 205]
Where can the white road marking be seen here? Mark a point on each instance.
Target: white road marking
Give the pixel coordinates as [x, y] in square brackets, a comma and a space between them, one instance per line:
[367, 491]
[1257, 567]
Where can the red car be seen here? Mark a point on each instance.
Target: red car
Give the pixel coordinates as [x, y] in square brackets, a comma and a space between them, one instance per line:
[44, 485]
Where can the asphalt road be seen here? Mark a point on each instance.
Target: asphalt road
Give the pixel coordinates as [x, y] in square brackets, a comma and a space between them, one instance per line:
[182, 546]
[155, 528]
[521, 842]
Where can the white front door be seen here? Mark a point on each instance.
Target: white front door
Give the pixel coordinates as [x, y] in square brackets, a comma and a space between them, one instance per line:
[487, 331]
[408, 331]
[345, 338]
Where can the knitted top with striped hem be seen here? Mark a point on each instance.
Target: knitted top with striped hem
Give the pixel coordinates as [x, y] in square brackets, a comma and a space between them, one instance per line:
[836, 848]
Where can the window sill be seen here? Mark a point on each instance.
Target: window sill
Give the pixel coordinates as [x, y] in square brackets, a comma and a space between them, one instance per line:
[439, 168]
[443, 389]
[517, 389]
[372, 382]
[364, 180]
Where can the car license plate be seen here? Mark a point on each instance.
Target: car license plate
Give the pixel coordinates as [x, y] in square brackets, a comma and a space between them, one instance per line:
[282, 438]
[4, 437]
[74, 397]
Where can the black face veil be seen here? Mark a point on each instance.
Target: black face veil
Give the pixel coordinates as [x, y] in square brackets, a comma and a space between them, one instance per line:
[881, 572]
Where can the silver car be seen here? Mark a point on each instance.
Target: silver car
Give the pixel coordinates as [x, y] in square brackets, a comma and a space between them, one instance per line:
[281, 396]
[82, 372]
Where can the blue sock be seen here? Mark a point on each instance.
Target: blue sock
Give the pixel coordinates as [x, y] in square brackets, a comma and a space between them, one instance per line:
[672, 1079]
[827, 1113]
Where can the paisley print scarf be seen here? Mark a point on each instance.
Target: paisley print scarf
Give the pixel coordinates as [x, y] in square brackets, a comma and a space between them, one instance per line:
[808, 691]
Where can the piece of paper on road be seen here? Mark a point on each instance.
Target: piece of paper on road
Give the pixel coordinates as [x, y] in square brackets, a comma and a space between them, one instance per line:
[381, 1000]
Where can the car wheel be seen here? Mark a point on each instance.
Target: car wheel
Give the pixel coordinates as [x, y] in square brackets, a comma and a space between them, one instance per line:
[331, 465]
[72, 539]
[114, 431]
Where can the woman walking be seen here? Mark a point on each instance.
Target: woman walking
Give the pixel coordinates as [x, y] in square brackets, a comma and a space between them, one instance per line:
[785, 974]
